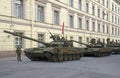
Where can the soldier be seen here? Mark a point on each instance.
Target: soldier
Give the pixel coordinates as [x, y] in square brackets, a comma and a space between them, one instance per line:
[18, 52]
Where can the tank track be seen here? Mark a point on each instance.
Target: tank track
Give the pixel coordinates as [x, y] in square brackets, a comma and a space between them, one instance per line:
[63, 57]
[47, 56]
[102, 54]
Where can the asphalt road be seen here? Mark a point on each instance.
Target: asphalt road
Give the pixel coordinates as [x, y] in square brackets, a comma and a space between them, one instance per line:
[87, 67]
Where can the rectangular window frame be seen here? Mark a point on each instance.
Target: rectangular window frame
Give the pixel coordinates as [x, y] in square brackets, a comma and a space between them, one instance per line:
[71, 3]
[93, 26]
[18, 8]
[87, 24]
[71, 21]
[56, 16]
[40, 17]
[79, 23]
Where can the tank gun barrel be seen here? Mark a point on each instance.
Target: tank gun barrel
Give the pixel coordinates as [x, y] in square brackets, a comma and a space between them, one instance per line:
[25, 37]
[81, 43]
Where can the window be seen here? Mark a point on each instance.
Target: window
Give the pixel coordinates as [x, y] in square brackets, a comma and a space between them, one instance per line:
[107, 17]
[103, 2]
[79, 23]
[93, 24]
[80, 4]
[71, 21]
[40, 14]
[80, 40]
[56, 17]
[87, 24]
[103, 28]
[107, 3]
[87, 7]
[118, 21]
[87, 40]
[112, 18]
[98, 27]
[116, 9]
[19, 8]
[71, 3]
[115, 31]
[112, 30]
[40, 38]
[103, 14]
[18, 40]
[107, 29]
[98, 12]
[93, 9]
[119, 31]
[115, 20]
[112, 7]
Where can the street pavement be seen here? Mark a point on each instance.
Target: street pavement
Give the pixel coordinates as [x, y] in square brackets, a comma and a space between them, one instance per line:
[87, 67]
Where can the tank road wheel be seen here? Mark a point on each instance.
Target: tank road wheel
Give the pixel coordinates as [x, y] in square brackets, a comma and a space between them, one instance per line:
[60, 57]
[117, 52]
[78, 56]
[31, 57]
[109, 53]
[101, 54]
[105, 54]
[34, 59]
[48, 56]
[97, 54]
[69, 57]
[65, 57]
[81, 55]
[74, 56]
[54, 58]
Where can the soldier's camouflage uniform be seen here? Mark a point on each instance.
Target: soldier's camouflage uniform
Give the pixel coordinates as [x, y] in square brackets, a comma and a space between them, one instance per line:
[18, 52]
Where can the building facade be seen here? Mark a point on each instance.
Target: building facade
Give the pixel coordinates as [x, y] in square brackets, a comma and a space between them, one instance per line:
[83, 20]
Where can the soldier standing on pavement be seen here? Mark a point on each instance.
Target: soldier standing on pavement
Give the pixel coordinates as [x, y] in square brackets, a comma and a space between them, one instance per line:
[18, 52]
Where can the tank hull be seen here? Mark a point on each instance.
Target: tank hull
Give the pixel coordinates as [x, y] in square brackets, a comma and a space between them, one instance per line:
[97, 52]
[55, 54]
[115, 50]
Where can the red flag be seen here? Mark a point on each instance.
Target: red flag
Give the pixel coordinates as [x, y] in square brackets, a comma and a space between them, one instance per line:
[63, 28]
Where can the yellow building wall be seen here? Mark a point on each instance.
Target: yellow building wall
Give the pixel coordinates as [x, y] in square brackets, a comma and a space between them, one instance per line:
[31, 27]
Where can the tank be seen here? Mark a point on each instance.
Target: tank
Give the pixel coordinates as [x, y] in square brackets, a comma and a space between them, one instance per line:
[97, 49]
[114, 46]
[60, 49]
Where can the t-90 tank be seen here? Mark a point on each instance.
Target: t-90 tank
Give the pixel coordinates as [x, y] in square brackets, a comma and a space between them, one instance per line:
[114, 46]
[98, 49]
[58, 50]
